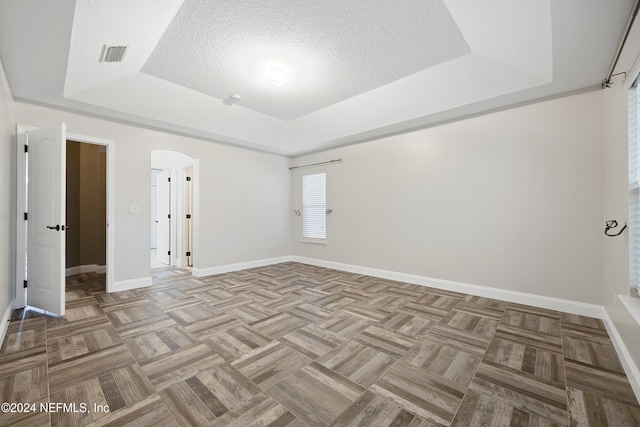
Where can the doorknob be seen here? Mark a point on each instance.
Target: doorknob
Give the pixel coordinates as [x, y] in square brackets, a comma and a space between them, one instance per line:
[57, 227]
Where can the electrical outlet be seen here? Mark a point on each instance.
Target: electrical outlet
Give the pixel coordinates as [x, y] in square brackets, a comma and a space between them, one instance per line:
[134, 209]
[370, 254]
[396, 259]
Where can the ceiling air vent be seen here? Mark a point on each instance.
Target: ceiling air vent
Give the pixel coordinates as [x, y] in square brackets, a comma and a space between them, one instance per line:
[113, 53]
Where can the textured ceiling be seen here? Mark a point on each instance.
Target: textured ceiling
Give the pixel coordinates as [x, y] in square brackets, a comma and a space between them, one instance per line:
[138, 24]
[332, 49]
[359, 69]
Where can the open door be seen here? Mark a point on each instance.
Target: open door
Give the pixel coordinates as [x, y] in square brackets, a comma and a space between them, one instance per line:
[163, 200]
[46, 216]
[188, 172]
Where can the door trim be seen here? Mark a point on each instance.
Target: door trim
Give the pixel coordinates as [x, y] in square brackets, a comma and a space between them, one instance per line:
[21, 207]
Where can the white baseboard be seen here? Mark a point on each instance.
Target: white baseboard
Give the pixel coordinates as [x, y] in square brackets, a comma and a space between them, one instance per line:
[550, 303]
[569, 306]
[630, 367]
[210, 271]
[4, 322]
[126, 285]
[72, 271]
[87, 268]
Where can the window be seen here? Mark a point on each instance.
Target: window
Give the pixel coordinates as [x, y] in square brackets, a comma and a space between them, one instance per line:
[314, 206]
[634, 187]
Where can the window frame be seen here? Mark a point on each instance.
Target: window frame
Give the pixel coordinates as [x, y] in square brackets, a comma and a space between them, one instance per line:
[319, 207]
[634, 187]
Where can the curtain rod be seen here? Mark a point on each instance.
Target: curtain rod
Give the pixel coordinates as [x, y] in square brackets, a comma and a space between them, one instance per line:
[316, 164]
[606, 83]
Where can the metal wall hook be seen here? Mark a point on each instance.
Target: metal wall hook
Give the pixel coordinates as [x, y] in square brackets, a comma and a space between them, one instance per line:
[297, 212]
[613, 224]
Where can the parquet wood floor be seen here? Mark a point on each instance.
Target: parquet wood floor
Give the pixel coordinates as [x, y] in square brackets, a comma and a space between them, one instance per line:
[296, 345]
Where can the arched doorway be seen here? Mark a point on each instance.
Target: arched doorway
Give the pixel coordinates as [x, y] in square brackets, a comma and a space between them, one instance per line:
[173, 204]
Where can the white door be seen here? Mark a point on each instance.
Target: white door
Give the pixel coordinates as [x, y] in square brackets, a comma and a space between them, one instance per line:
[154, 215]
[163, 210]
[46, 193]
[188, 172]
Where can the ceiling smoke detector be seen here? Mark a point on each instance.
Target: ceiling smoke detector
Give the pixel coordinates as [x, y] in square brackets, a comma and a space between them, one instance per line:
[113, 53]
[232, 99]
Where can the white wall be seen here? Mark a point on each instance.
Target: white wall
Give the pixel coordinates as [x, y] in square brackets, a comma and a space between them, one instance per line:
[510, 200]
[7, 198]
[244, 194]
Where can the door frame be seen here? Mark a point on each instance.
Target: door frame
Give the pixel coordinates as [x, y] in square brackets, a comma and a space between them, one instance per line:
[188, 208]
[21, 207]
[171, 216]
[178, 210]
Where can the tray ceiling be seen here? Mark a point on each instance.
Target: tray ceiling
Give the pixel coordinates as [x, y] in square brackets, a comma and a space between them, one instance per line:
[352, 70]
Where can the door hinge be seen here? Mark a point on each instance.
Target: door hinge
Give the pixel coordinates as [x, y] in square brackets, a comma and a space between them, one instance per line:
[169, 179]
[26, 148]
[25, 283]
[25, 216]
[188, 216]
[188, 253]
[168, 252]
[188, 178]
[169, 216]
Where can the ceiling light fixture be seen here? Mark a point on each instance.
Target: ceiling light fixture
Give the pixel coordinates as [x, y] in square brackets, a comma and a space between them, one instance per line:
[277, 76]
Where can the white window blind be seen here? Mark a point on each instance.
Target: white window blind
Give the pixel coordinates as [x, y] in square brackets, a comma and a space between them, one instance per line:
[634, 187]
[314, 206]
